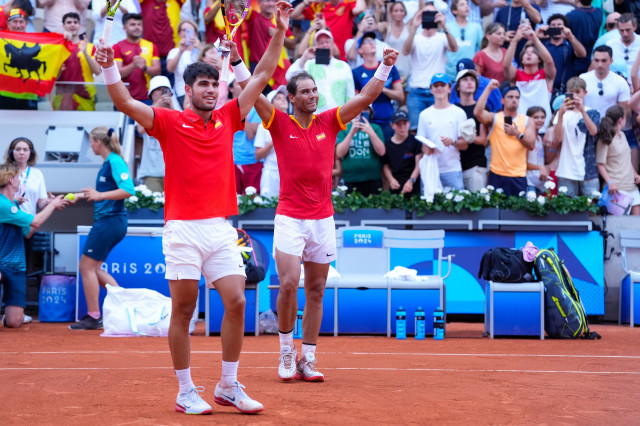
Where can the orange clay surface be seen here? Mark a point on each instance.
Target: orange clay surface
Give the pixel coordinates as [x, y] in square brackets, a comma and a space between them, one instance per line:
[51, 375]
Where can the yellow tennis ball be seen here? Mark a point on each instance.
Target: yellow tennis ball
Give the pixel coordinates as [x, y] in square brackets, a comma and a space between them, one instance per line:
[70, 196]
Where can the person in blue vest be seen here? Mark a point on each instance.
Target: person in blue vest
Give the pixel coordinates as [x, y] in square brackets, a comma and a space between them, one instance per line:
[15, 225]
[113, 185]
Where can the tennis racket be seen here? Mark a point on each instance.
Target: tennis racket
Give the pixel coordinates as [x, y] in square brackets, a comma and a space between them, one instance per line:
[112, 7]
[233, 12]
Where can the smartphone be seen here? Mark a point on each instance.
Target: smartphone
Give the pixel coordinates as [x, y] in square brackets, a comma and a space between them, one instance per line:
[323, 56]
[429, 19]
[188, 33]
[553, 32]
[569, 97]
[508, 120]
[364, 115]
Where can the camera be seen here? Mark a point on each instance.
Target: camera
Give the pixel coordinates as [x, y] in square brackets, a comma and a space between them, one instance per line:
[429, 19]
[323, 56]
[553, 31]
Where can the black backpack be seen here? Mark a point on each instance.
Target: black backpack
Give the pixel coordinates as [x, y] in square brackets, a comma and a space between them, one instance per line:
[253, 265]
[505, 265]
[564, 315]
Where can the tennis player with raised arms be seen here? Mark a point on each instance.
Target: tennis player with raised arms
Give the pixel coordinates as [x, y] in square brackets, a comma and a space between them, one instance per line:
[304, 227]
[199, 194]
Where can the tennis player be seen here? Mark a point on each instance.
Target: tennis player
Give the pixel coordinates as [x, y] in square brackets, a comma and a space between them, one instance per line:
[304, 226]
[199, 194]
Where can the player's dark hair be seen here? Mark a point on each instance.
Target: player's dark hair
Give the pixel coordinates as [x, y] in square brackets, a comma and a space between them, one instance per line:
[556, 16]
[199, 69]
[129, 16]
[71, 15]
[33, 156]
[604, 49]
[292, 85]
[608, 124]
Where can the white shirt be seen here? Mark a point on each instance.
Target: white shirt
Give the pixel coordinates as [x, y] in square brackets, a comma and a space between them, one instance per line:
[117, 32]
[620, 51]
[187, 58]
[263, 137]
[429, 55]
[434, 123]
[334, 81]
[380, 46]
[32, 187]
[152, 161]
[536, 156]
[571, 163]
[614, 89]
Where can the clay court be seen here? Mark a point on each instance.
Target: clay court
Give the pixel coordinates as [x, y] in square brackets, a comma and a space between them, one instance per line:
[51, 375]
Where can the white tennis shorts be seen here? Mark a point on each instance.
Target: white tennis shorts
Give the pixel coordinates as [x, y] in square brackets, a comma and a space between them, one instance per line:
[207, 246]
[312, 240]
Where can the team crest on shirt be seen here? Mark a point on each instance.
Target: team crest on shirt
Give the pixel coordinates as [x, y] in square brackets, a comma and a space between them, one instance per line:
[217, 125]
[340, 11]
[14, 209]
[124, 176]
[321, 136]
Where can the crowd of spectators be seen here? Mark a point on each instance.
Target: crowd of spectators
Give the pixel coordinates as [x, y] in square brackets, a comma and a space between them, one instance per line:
[507, 93]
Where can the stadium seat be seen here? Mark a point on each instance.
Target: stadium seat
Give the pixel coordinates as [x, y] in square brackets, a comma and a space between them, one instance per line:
[629, 306]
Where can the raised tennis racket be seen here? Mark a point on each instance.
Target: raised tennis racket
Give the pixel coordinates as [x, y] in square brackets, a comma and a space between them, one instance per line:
[233, 12]
[112, 7]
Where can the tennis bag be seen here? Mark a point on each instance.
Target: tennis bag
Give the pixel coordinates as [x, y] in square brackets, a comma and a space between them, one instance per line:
[564, 315]
[505, 265]
[253, 264]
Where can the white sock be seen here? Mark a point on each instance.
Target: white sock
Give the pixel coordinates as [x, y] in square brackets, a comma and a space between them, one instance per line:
[308, 348]
[229, 373]
[184, 378]
[286, 339]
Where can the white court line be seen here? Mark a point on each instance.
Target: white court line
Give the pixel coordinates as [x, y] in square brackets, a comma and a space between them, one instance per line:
[421, 354]
[448, 370]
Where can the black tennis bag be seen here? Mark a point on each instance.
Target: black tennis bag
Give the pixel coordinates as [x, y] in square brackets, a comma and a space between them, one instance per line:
[254, 267]
[564, 315]
[505, 265]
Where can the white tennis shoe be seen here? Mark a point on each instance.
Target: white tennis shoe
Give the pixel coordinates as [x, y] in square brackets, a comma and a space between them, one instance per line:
[288, 360]
[191, 403]
[306, 369]
[235, 396]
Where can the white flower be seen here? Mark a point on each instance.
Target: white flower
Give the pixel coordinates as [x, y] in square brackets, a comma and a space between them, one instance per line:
[521, 194]
[446, 189]
[458, 198]
[549, 184]
[487, 197]
[258, 200]
[465, 191]
[335, 193]
[133, 199]
[596, 195]
[589, 200]
[531, 196]
[449, 195]
[342, 188]
[146, 192]
[140, 187]
[499, 190]
[562, 189]
[159, 200]
[156, 194]
[541, 200]
[484, 191]
[490, 187]
[250, 190]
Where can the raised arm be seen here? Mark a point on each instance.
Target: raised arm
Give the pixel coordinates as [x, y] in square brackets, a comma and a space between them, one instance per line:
[118, 92]
[407, 47]
[298, 12]
[485, 117]
[547, 59]
[371, 90]
[507, 61]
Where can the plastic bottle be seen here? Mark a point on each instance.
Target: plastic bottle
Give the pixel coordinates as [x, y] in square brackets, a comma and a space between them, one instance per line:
[438, 324]
[401, 323]
[420, 325]
[297, 327]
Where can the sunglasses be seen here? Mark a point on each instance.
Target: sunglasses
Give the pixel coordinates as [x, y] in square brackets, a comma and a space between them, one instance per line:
[611, 25]
[626, 54]
[601, 90]
[462, 34]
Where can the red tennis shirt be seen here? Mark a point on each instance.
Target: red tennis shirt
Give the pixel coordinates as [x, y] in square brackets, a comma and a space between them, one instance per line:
[199, 176]
[305, 161]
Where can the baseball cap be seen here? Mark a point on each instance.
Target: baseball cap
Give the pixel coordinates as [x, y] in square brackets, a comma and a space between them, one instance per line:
[17, 13]
[465, 72]
[465, 64]
[370, 34]
[157, 82]
[322, 32]
[272, 94]
[399, 115]
[440, 78]
[508, 89]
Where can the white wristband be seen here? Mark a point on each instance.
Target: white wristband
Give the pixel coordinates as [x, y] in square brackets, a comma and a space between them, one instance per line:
[383, 72]
[111, 75]
[241, 72]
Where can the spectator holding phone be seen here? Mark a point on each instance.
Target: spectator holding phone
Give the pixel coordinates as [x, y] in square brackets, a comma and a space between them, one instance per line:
[367, 25]
[428, 54]
[179, 58]
[613, 157]
[564, 48]
[515, 14]
[400, 164]
[360, 147]
[332, 76]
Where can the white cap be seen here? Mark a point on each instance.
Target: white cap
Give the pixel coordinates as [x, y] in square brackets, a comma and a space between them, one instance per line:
[157, 82]
[322, 32]
[272, 94]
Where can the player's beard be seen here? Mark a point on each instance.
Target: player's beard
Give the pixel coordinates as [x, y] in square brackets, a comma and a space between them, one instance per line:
[199, 104]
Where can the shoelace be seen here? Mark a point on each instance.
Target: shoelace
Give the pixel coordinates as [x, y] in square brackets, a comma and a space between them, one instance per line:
[288, 359]
[193, 393]
[310, 360]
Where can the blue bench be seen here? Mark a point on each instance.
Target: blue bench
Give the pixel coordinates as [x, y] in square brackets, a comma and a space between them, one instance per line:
[629, 307]
[514, 309]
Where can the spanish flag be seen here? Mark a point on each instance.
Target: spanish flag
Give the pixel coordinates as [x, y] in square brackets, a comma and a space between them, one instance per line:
[30, 62]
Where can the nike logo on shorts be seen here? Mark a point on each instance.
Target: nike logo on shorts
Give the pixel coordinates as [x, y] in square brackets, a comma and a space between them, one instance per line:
[329, 255]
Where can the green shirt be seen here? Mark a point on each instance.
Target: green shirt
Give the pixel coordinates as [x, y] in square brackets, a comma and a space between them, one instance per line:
[361, 162]
[14, 226]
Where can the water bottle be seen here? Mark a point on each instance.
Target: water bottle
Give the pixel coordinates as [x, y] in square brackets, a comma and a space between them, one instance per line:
[438, 324]
[297, 327]
[419, 315]
[401, 323]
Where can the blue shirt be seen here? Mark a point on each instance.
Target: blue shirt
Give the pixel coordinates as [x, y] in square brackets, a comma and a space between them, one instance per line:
[563, 58]
[114, 174]
[14, 226]
[494, 103]
[585, 23]
[382, 108]
[510, 17]
[243, 150]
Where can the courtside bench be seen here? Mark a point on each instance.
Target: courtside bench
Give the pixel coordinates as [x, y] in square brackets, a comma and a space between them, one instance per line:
[514, 309]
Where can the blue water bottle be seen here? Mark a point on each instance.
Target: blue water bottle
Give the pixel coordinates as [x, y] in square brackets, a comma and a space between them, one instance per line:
[419, 315]
[401, 323]
[297, 327]
[438, 324]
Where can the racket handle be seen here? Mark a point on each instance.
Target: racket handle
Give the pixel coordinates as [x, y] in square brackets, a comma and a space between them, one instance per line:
[106, 33]
[225, 69]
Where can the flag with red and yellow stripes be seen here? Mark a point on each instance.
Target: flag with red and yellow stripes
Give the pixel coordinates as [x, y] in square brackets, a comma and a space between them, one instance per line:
[30, 62]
